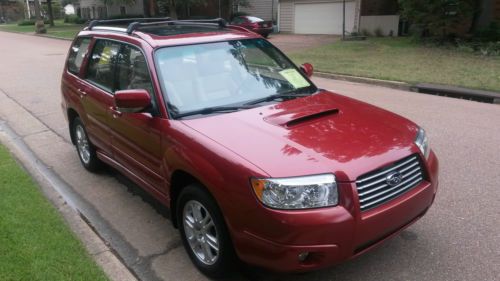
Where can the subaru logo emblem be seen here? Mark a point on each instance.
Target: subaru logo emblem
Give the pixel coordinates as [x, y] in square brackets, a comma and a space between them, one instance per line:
[394, 178]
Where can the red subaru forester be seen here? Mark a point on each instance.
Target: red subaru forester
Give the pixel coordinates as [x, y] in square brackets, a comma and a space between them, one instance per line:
[254, 161]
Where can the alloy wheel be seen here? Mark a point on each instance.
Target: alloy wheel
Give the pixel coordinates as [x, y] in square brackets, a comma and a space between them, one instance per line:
[82, 144]
[201, 232]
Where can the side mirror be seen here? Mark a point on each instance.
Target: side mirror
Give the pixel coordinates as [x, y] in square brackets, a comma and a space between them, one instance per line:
[132, 101]
[308, 69]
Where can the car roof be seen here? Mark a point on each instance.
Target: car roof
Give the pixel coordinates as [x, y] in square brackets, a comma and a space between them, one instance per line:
[168, 32]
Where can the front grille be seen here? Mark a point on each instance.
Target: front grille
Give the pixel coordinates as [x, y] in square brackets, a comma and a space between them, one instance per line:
[374, 188]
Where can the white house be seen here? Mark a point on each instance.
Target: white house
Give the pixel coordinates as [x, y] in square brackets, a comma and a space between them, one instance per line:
[264, 9]
[96, 9]
[327, 16]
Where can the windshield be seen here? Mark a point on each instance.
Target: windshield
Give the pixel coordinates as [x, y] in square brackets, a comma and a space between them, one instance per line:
[229, 73]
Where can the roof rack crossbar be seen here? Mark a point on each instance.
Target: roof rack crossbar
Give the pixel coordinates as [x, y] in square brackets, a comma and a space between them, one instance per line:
[221, 23]
[128, 21]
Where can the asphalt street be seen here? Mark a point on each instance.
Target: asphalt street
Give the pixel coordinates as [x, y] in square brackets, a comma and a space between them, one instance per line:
[458, 239]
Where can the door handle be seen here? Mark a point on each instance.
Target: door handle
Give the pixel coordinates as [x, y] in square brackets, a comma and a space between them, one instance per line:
[82, 93]
[115, 112]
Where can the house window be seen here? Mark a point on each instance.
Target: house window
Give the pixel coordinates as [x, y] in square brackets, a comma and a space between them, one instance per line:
[123, 11]
[86, 13]
[102, 12]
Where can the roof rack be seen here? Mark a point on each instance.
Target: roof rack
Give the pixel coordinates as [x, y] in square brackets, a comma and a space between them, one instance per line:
[128, 21]
[221, 23]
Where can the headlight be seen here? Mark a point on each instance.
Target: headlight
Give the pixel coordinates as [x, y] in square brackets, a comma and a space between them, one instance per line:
[298, 192]
[422, 142]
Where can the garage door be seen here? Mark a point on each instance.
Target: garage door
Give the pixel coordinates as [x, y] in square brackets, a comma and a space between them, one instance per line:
[322, 18]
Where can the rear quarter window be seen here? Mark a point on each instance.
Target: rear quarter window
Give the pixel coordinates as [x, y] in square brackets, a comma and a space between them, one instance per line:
[77, 54]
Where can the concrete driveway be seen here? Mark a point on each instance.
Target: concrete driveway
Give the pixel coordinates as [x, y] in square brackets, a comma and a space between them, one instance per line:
[458, 239]
[297, 42]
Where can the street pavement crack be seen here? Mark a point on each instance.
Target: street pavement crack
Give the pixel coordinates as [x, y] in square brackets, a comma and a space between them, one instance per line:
[170, 247]
[32, 114]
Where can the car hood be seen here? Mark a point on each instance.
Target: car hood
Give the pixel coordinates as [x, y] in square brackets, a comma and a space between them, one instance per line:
[322, 133]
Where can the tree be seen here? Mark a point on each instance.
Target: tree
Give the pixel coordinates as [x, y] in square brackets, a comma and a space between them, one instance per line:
[39, 25]
[2, 12]
[51, 13]
[437, 17]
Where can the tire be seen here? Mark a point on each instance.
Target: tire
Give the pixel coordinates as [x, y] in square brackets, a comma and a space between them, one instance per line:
[217, 263]
[84, 148]
[266, 35]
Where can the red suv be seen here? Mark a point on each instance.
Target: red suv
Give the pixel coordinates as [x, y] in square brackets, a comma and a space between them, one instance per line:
[255, 162]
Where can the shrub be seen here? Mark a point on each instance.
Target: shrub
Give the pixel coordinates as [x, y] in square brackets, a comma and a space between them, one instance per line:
[366, 32]
[488, 34]
[30, 22]
[125, 17]
[490, 49]
[40, 27]
[436, 17]
[379, 32]
[481, 48]
[74, 19]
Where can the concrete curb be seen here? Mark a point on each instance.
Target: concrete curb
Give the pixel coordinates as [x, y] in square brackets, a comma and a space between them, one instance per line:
[383, 83]
[49, 183]
[54, 37]
[422, 88]
[39, 35]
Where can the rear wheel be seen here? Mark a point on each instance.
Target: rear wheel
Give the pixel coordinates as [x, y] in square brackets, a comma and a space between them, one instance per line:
[204, 233]
[85, 149]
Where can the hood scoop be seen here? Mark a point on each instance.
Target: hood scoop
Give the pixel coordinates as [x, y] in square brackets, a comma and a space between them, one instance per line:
[301, 115]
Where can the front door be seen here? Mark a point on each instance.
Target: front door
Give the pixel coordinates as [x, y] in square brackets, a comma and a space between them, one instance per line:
[136, 137]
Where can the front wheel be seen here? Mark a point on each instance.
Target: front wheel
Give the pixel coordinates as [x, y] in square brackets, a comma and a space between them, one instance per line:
[204, 233]
[85, 149]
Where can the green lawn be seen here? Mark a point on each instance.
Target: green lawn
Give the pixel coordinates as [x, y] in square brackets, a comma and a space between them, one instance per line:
[401, 59]
[35, 243]
[60, 29]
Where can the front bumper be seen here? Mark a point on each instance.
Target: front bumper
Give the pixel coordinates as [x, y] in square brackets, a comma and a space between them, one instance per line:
[333, 235]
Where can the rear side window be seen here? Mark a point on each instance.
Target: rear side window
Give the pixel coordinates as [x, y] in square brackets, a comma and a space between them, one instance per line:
[102, 64]
[77, 53]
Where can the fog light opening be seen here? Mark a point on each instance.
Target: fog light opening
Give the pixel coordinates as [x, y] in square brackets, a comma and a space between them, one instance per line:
[303, 256]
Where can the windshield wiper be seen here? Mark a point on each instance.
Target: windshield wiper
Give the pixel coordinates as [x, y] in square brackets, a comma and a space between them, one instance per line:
[210, 110]
[287, 94]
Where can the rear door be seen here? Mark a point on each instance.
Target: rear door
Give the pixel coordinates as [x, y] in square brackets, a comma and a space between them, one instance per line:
[136, 137]
[71, 82]
[97, 92]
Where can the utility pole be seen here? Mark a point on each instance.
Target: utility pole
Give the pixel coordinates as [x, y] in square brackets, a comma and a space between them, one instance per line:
[343, 20]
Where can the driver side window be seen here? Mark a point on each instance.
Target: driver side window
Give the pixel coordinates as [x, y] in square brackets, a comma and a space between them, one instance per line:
[133, 71]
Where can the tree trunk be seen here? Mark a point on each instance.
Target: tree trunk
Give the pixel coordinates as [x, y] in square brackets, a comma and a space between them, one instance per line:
[229, 10]
[39, 26]
[38, 14]
[478, 7]
[153, 8]
[145, 5]
[171, 9]
[51, 14]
